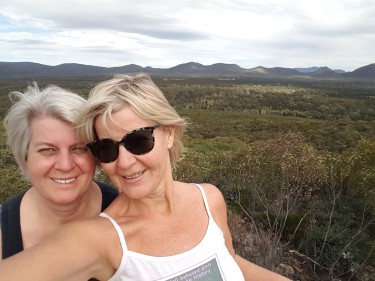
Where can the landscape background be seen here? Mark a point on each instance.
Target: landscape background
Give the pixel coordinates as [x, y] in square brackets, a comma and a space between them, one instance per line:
[9, 70]
[293, 151]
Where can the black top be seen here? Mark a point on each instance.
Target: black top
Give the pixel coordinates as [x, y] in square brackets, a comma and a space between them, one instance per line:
[10, 219]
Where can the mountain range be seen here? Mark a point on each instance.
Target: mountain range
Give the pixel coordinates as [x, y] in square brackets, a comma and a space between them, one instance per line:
[30, 70]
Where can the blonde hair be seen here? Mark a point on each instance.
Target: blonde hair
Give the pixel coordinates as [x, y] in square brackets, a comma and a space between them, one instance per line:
[142, 95]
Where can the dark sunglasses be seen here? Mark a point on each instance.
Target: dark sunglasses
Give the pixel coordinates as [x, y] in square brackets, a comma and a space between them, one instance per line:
[139, 141]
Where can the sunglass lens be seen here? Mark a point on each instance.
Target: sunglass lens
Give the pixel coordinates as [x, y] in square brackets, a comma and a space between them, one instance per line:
[105, 150]
[140, 142]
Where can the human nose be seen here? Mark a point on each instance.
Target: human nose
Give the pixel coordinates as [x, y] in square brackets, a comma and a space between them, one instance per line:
[64, 161]
[125, 158]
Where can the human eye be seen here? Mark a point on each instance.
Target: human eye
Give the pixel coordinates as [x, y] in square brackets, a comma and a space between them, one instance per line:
[47, 151]
[79, 149]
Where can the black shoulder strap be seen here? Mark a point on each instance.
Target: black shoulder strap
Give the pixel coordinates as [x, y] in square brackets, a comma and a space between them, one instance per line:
[109, 193]
[11, 236]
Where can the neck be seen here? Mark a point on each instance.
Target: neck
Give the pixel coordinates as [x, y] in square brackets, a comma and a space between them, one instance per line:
[160, 202]
[40, 217]
[56, 214]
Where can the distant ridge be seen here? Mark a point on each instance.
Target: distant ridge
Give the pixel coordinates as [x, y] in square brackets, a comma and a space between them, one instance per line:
[307, 69]
[273, 72]
[30, 70]
[364, 71]
[325, 72]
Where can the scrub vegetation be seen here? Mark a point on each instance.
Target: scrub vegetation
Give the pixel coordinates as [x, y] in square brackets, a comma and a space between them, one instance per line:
[294, 159]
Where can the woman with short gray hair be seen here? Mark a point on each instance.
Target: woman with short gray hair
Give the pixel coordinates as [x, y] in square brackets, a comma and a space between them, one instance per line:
[42, 136]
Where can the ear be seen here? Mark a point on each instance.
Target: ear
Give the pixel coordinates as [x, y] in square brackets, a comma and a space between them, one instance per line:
[169, 131]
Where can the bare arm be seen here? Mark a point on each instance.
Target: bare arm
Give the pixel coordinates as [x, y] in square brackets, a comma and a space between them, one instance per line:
[253, 272]
[1, 238]
[1, 245]
[250, 271]
[73, 253]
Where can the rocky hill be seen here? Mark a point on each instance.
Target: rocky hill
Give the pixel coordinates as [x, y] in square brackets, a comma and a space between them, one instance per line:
[30, 70]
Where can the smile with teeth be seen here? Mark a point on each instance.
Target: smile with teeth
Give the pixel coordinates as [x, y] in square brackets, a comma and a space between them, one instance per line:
[64, 181]
[134, 176]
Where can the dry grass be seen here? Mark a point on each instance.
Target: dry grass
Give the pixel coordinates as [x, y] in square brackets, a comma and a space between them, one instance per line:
[256, 246]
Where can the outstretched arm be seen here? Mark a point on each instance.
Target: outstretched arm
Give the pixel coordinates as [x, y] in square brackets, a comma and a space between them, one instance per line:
[253, 272]
[1, 238]
[69, 254]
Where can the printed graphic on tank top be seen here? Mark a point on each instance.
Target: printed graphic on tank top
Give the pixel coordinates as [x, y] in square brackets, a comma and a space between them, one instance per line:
[205, 271]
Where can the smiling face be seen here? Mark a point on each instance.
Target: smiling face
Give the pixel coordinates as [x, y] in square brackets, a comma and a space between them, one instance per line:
[137, 176]
[58, 167]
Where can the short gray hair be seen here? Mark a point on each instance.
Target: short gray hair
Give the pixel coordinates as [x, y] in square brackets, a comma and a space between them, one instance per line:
[52, 101]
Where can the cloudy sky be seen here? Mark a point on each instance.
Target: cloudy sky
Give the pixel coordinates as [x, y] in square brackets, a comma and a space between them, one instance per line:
[339, 34]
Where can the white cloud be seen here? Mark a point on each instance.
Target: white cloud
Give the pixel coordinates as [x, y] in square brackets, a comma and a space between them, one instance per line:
[294, 33]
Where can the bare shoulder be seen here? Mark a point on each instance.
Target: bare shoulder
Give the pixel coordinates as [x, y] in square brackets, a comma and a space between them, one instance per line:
[216, 203]
[84, 235]
[88, 225]
[214, 195]
[94, 243]
[92, 230]
[78, 231]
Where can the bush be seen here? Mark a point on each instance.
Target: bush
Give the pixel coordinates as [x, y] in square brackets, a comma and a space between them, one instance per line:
[317, 204]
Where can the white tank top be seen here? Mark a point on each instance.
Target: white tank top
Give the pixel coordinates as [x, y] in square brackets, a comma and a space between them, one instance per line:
[210, 260]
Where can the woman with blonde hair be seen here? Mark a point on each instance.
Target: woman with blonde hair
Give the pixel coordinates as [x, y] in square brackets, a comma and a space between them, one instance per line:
[157, 228]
